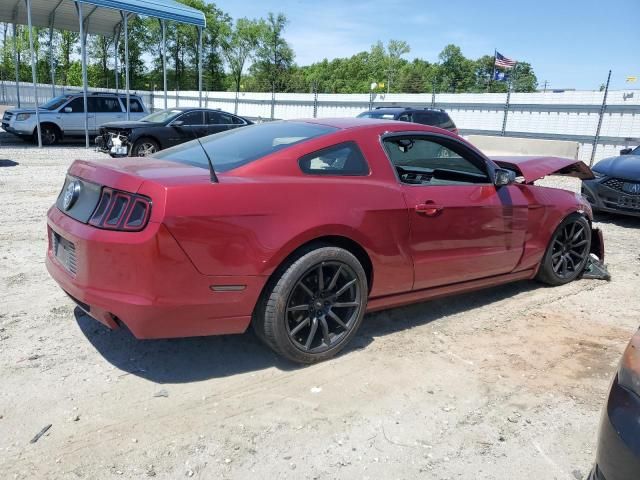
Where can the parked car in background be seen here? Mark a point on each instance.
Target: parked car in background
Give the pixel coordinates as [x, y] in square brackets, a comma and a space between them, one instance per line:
[436, 117]
[618, 455]
[299, 227]
[616, 188]
[164, 129]
[63, 116]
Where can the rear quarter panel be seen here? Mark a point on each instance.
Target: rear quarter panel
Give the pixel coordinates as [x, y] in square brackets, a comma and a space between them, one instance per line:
[250, 222]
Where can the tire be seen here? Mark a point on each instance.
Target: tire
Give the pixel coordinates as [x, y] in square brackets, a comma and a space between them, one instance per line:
[144, 147]
[49, 133]
[567, 253]
[306, 317]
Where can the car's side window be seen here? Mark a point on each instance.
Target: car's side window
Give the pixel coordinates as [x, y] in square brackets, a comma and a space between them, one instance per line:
[422, 161]
[213, 118]
[134, 105]
[192, 118]
[343, 159]
[107, 105]
[405, 117]
[76, 105]
[238, 121]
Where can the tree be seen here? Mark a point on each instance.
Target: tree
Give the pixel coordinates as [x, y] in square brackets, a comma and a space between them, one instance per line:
[274, 56]
[456, 73]
[395, 50]
[99, 49]
[68, 42]
[241, 47]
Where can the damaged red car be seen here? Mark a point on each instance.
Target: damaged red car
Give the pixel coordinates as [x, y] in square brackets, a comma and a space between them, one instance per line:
[298, 228]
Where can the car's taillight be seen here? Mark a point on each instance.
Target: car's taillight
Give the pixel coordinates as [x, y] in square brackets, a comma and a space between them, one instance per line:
[119, 210]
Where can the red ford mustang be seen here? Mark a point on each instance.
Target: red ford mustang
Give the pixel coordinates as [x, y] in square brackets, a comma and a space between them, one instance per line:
[299, 227]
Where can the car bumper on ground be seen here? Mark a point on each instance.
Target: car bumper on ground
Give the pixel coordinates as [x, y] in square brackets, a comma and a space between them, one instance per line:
[146, 281]
[618, 456]
[607, 195]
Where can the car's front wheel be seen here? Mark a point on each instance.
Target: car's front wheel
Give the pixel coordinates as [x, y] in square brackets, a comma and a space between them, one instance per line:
[314, 305]
[568, 251]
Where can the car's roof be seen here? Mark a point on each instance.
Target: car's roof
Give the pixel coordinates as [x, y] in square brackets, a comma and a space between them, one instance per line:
[405, 109]
[358, 122]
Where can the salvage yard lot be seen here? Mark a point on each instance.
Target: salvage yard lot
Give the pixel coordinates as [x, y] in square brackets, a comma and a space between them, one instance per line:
[499, 384]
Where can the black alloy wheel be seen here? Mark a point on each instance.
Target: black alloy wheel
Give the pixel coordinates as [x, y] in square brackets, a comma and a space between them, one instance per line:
[568, 252]
[323, 307]
[313, 304]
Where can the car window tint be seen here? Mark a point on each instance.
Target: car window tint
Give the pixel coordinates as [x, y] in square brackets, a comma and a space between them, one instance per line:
[225, 118]
[105, 105]
[343, 159]
[134, 105]
[213, 118]
[191, 118]
[430, 163]
[237, 121]
[405, 117]
[240, 146]
[77, 105]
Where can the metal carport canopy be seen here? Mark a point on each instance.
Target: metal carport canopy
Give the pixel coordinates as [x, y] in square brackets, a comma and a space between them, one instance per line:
[102, 17]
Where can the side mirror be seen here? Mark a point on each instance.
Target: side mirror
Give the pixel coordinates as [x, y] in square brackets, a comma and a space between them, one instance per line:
[503, 177]
[626, 151]
[177, 123]
[68, 109]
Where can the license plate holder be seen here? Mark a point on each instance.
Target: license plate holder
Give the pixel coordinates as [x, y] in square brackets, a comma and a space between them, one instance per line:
[65, 252]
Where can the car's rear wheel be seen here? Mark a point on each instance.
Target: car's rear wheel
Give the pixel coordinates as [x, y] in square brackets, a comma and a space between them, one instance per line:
[314, 305]
[144, 147]
[567, 253]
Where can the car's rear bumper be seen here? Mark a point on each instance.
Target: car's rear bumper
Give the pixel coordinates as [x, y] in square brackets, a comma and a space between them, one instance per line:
[618, 456]
[145, 280]
[605, 199]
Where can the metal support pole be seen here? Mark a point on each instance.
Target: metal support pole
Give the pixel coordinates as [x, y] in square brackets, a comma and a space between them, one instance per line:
[34, 74]
[16, 55]
[433, 94]
[116, 42]
[200, 67]
[83, 54]
[603, 108]
[315, 99]
[235, 103]
[126, 59]
[273, 101]
[506, 110]
[52, 67]
[164, 62]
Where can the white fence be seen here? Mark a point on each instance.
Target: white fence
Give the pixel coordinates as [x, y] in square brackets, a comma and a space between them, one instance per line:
[569, 115]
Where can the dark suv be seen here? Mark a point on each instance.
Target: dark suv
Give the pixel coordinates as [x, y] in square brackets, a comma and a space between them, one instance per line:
[436, 117]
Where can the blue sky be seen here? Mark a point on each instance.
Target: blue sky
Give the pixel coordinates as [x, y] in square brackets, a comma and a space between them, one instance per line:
[572, 44]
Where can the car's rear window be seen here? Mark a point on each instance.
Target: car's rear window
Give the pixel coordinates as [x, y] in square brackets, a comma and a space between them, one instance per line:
[238, 147]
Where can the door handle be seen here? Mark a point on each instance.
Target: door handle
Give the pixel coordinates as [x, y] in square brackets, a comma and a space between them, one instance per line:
[429, 209]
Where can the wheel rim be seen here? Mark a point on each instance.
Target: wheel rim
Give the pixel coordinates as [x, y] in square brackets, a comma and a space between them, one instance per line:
[569, 250]
[48, 136]
[323, 307]
[146, 149]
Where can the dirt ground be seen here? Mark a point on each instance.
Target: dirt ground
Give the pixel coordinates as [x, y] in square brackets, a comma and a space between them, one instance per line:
[503, 383]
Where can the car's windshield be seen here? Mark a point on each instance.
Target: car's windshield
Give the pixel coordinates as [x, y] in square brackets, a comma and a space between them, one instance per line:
[161, 116]
[386, 116]
[234, 148]
[55, 102]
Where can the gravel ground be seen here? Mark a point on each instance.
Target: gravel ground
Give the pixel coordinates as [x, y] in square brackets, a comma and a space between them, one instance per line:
[499, 384]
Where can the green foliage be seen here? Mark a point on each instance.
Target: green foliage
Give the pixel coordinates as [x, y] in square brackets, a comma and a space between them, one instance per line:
[249, 55]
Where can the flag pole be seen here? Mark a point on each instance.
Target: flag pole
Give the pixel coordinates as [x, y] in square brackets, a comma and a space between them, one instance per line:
[493, 74]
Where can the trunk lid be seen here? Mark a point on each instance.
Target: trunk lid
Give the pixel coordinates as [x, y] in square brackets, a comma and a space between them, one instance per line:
[535, 168]
[143, 176]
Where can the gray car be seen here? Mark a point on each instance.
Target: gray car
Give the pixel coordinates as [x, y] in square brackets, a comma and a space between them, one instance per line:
[64, 116]
[616, 188]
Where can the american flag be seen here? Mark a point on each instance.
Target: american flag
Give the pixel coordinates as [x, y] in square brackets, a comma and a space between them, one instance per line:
[504, 62]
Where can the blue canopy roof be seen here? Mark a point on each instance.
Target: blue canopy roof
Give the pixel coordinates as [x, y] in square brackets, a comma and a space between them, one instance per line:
[101, 16]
